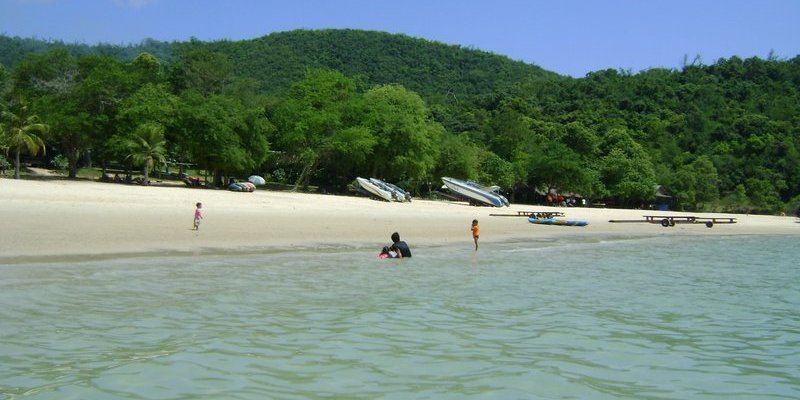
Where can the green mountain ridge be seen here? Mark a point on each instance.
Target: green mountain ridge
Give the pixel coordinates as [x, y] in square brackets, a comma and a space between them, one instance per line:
[429, 68]
[277, 60]
[718, 137]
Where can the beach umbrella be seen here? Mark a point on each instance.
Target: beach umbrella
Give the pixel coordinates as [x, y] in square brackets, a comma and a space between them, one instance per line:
[257, 180]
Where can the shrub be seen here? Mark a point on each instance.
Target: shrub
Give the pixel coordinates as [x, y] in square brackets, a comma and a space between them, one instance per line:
[60, 163]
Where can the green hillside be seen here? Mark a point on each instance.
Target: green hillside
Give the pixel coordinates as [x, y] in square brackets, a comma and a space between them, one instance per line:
[429, 68]
[321, 107]
[14, 49]
[277, 60]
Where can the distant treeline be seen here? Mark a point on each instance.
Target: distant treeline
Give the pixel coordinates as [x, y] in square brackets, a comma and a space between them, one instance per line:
[322, 107]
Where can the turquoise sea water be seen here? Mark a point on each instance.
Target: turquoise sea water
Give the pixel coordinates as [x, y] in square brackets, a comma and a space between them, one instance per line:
[652, 318]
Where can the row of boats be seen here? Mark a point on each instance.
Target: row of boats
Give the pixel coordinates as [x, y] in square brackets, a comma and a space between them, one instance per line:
[473, 192]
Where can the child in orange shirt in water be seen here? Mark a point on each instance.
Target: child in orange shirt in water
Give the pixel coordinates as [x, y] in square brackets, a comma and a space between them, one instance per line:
[476, 231]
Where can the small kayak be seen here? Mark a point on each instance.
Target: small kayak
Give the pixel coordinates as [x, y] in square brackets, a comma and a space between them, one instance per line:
[553, 221]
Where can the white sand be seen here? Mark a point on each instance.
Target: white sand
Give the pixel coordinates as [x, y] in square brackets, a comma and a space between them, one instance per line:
[71, 218]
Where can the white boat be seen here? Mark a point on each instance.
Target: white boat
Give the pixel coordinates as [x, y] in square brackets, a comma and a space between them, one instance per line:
[374, 189]
[475, 192]
[398, 193]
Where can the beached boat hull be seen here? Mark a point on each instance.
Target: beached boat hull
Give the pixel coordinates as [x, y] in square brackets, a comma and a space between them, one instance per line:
[397, 193]
[242, 187]
[374, 189]
[553, 221]
[474, 192]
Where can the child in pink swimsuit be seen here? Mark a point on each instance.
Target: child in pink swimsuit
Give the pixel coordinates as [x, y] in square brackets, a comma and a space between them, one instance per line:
[386, 253]
[198, 216]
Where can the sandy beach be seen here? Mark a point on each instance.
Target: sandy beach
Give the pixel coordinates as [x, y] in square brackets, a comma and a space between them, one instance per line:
[59, 218]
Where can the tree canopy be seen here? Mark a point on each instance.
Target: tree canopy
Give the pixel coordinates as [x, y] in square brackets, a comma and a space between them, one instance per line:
[322, 107]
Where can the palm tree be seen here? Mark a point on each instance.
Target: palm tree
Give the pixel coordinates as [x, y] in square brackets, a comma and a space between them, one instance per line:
[21, 133]
[147, 147]
[3, 148]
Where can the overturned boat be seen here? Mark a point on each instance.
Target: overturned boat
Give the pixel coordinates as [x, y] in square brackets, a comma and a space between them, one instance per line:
[242, 187]
[475, 192]
[398, 194]
[374, 189]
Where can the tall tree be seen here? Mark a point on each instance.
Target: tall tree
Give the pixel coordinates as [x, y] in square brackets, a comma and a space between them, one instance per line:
[21, 134]
[696, 185]
[409, 139]
[151, 103]
[147, 148]
[6, 85]
[556, 166]
[50, 73]
[78, 96]
[459, 158]
[103, 85]
[221, 135]
[202, 70]
[319, 123]
[147, 69]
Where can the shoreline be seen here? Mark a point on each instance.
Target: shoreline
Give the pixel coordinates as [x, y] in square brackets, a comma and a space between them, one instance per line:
[328, 248]
[60, 219]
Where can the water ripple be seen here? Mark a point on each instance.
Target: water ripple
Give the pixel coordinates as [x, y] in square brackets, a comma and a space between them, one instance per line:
[600, 320]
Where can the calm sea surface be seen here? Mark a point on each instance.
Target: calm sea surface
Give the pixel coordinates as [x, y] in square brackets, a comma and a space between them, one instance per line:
[656, 318]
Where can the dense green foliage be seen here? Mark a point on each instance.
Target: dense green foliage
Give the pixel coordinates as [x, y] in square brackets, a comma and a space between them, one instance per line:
[325, 106]
[436, 71]
[15, 49]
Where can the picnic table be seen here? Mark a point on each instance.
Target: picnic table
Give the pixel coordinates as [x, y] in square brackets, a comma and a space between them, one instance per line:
[535, 214]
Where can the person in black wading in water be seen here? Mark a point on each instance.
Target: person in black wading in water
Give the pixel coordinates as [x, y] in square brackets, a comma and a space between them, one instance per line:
[400, 246]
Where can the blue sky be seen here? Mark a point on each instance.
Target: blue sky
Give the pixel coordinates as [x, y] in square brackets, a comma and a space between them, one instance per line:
[571, 37]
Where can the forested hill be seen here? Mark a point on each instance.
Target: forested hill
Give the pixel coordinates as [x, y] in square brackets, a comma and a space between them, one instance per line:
[14, 49]
[323, 107]
[429, 68]
[275, 61]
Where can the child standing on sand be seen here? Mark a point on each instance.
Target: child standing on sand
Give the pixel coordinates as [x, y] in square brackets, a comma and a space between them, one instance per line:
[476, 231]
[198, 216]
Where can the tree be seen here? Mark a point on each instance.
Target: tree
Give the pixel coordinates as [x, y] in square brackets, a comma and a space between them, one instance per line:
[147, 148]
[556, 166]
[625, 168]
[50, 73]
[147, 68]
[320, 124]
[696, 185]
[202, 70]
[458, 158]
[21, 133]
[151, 103]
[627, 178]
[509, 128]
[221, 135]
[70, 127]
[581, 139]
[496, 171]
[409, 141]
[5, 86]
[103, 85]
[79, 97]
